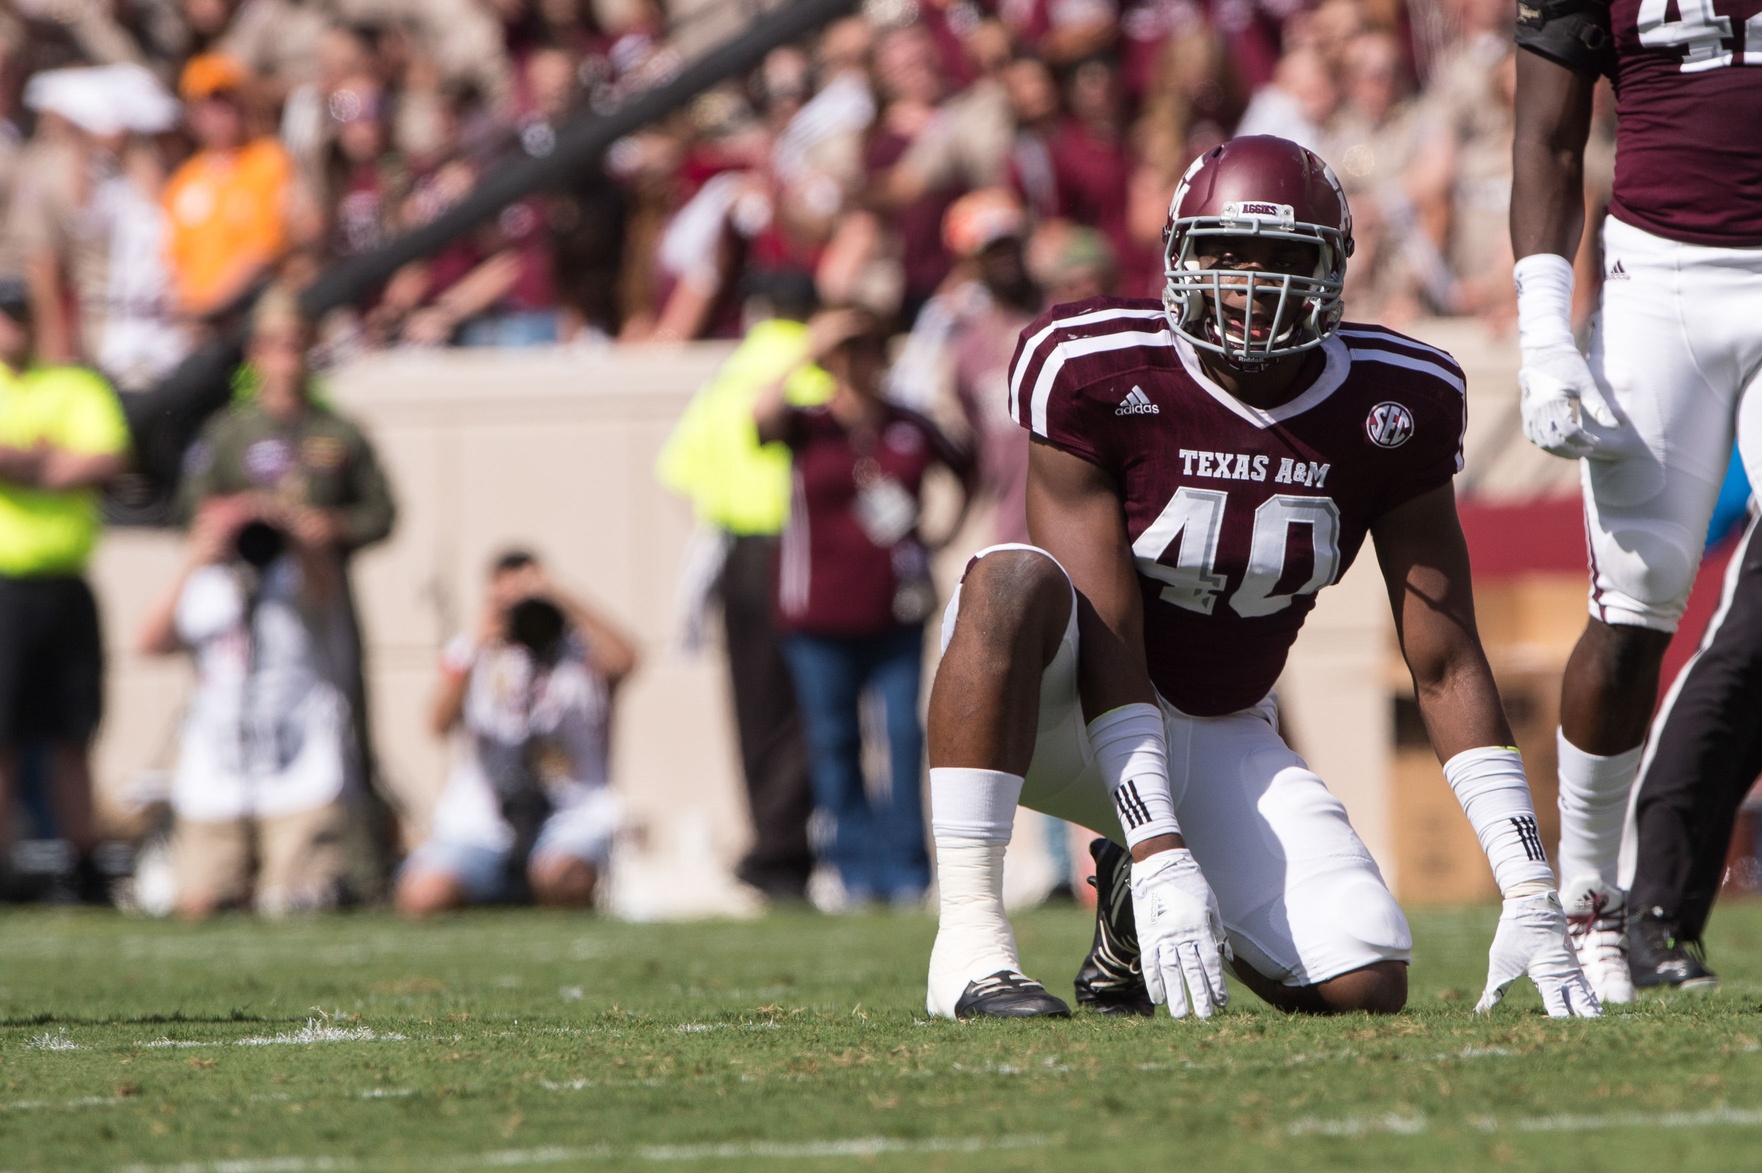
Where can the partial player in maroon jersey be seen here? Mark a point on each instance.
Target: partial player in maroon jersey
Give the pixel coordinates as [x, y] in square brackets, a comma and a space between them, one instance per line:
[1200, 469]
[1652, 411]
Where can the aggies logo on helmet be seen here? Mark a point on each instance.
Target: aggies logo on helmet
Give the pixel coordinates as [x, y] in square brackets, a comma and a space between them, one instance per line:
[1389, 425]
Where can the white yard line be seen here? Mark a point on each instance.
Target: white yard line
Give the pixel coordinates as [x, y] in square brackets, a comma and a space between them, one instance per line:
[1414, 1124]
[862, 1147]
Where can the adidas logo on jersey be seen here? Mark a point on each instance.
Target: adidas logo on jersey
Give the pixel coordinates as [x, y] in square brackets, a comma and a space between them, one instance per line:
[1618, 272]
[1137, 403]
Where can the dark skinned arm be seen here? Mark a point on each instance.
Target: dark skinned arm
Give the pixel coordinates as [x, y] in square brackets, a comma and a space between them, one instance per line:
[1424, 559]
[1548, 157]
[1074, 514]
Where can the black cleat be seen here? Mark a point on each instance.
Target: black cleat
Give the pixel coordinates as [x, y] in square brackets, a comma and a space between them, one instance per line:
[1111, 981]
[1657, 957]
[1008, 994]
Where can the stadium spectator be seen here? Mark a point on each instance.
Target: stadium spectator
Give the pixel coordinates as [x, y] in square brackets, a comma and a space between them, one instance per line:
[1298, 103]
[87, 224]
[364, 181]
[528, 809]
[1094, 166]
[739, 490]
[265, 750]
[1461, 184]
[973, 326]
[61, 435]
[235, 205]
[853, 592]
[1373, 140]
[278, 443]
[1071, 263]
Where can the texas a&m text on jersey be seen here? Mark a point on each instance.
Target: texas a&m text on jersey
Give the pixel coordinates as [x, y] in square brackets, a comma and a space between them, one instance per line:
[1237, 515]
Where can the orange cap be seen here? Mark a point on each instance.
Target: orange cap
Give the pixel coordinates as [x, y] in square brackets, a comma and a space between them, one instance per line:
[980, 218]
[211, 73]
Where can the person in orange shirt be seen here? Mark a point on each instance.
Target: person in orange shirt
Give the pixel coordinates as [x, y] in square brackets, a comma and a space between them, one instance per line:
[232, 206]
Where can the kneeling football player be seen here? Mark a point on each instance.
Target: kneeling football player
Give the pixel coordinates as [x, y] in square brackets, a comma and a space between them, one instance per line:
[1199, 470]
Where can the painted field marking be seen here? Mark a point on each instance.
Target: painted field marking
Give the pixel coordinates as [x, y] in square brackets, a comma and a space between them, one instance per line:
[854, 1147]
[1396, 1124]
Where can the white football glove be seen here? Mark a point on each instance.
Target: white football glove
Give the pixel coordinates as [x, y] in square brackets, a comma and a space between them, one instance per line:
[1180, 934]
[1532, 939]
[1563, 411]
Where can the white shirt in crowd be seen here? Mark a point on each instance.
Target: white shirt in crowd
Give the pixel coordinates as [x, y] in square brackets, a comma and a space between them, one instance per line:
[267, 731]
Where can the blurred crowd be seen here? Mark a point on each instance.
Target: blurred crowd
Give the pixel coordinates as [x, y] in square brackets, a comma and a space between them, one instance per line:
[160, 158]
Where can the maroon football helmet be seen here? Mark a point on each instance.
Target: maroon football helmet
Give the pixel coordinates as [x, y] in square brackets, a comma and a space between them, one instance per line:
[1265, 187]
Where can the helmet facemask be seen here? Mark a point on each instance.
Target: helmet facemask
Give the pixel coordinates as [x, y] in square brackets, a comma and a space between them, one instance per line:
[1308, 306]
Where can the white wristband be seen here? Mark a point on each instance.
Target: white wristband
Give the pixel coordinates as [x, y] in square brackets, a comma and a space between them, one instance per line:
[1132, 755]
[1544, 301]
[1495, 795]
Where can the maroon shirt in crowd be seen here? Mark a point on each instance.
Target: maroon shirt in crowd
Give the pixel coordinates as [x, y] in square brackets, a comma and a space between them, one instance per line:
[1094, 174]
[1237, 515]
[850, 558]
[919, 223]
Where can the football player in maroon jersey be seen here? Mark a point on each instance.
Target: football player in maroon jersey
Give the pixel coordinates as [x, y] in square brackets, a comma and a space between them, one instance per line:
[1672, 375]
[1199, 470]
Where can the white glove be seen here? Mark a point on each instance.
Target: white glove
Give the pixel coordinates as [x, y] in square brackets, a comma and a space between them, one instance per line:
[1563, 411]
[1180, 934]
[1532, 939]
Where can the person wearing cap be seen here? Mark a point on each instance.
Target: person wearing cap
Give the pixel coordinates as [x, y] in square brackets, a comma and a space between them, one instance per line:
[234, 205]
[87, 227]
[62, 434]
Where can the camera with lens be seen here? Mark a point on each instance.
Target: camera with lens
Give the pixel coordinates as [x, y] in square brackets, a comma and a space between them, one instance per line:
[538, 625]
[258, 543]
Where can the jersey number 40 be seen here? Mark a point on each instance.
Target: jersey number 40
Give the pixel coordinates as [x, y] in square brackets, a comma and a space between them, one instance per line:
[1195, 517]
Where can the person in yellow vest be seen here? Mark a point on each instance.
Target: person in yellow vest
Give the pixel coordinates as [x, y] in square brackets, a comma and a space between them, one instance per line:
[62, 434]
[740, 490]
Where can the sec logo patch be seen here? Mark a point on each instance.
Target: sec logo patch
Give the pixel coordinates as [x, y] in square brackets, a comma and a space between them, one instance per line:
[1389, 425]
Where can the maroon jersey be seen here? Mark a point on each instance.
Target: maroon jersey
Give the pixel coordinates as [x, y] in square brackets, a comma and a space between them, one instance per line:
[1237, 515]
[1688, 100]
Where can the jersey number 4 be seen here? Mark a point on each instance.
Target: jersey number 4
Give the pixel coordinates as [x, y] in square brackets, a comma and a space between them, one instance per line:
[1195, 517]
[1699, 30]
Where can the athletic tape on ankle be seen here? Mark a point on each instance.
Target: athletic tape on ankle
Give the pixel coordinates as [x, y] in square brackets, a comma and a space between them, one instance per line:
[978, 805]
[1544, 301]
[1495, 795]
[1132, 755]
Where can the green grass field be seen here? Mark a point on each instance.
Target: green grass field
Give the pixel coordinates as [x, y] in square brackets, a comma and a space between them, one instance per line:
[799, 1042]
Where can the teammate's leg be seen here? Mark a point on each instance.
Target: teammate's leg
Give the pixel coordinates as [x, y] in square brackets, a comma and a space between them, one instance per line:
[1646, 509]
[1011, 618]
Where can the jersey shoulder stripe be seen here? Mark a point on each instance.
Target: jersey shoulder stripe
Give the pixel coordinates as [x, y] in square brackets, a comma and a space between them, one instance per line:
[1358, 334]
[1411, 362]
[1065, 323]
[1378, 344]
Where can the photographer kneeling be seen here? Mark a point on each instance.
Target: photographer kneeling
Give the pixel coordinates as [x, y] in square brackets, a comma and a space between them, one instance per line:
[528, 811]
[265, 749]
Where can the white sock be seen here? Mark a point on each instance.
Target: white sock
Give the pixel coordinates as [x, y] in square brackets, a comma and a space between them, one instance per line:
[971, 815]
[1593, 806]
